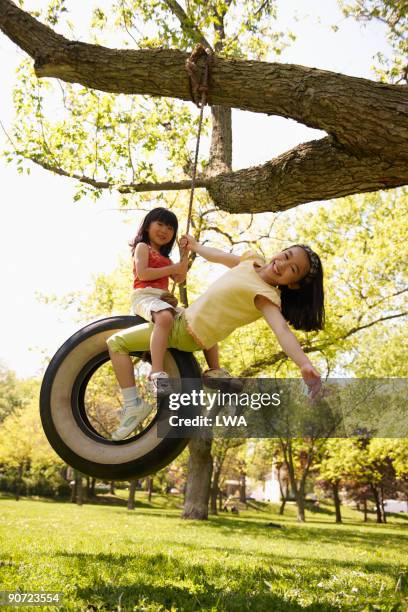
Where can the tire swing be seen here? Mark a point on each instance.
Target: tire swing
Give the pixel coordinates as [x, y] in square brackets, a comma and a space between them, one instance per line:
[70, 430]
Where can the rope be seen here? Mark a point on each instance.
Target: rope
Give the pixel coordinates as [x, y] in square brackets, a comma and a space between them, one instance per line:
[197, 87]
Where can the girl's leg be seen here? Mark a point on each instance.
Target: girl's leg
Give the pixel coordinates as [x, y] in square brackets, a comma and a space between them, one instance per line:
[212, 357]
[135, 338]
[120, 345]
[163, 322]
[123, 368]
[214, 372]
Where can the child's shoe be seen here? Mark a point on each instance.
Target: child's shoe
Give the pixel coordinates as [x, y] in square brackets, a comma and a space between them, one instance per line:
[131, 418]
[160, 383]
[216, 373]
[211, 379]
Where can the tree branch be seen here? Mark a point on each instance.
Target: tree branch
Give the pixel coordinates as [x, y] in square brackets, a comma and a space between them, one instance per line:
[363, 115]
[260, 364]
[312, 171]
[354, 330]
[187, 25]
[316, 170]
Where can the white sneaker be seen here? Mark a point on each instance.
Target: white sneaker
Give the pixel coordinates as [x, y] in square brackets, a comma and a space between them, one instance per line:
[160, 383]
[131, 418]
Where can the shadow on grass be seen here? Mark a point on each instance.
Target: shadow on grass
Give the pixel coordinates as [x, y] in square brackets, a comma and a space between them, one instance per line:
[229, 523]
[98, 500]
[401, 516]
[293, 561]
[4, 495]
[323, 534]
[158, 579]
[319, 510]
[114, 500]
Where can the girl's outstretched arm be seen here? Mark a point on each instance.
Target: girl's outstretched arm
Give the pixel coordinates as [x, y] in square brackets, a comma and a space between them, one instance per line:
[289, 343]
[209, 253]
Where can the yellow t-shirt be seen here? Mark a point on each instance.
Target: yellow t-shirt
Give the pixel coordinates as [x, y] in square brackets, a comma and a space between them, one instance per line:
[229, 302]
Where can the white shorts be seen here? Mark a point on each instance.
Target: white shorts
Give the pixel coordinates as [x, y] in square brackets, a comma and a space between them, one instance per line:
[146, 301]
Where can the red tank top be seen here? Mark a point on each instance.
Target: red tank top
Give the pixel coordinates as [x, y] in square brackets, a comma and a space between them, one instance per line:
[156, 260]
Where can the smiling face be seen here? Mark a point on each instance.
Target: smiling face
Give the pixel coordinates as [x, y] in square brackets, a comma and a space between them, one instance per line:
[160, 233]
[286, 268]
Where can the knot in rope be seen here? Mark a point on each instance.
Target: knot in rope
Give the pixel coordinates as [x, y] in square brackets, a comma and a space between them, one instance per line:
[198, 82]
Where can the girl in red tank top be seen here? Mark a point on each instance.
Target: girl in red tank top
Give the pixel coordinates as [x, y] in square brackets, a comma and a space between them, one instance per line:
[152, 269]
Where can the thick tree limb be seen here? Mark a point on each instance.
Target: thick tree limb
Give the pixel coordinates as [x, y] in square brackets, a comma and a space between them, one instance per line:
[361, 114]
[367, 149]
[316, 170]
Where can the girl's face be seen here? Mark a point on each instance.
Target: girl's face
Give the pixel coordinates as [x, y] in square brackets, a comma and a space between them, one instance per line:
[160, 233]
[286, 268]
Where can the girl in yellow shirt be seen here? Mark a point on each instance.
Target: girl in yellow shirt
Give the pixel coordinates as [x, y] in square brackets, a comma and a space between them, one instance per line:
[287, 289]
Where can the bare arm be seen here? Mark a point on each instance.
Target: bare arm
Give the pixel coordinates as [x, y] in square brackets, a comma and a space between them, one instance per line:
[181, 276]
[289, 343]
[209, 253]
[144, 272]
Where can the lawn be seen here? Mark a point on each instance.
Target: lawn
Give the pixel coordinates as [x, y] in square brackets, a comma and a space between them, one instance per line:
[108, 558]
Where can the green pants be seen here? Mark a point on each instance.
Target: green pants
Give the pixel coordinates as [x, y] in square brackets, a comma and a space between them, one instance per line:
[137, 338]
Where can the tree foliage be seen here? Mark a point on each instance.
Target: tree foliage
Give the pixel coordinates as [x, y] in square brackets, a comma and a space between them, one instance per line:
[104, 140]
[394, 15]
[117, 139]
[14, 393]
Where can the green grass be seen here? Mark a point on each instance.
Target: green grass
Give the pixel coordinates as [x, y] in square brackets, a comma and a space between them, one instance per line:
[109, 558]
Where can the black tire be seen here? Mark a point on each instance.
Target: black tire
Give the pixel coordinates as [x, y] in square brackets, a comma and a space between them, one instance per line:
[64, 418]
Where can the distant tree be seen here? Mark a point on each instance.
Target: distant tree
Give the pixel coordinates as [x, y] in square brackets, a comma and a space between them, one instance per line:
[25, 454]
[14, 393]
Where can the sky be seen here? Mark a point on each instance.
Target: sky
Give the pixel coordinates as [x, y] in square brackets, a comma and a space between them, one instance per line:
[51, 245]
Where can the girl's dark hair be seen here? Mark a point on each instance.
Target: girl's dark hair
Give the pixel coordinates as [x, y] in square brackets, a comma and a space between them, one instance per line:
[304, 307]
[157, 214]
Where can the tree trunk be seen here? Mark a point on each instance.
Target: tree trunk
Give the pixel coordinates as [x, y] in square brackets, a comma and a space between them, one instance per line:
[242, 487]
[221, 140]
[149, 488]
[220, 498]
[337, 502]
[300, 505]
[78, 493]
[377, 503]
[92, 490]
[383, 513]
[282, 506]
[298, 490]
[213, 501]
[19, 482]
[215, 490]
[112, 487]
[284, 494]
[366, 121]
[365, 510]
[198, 480]
[132, 493]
